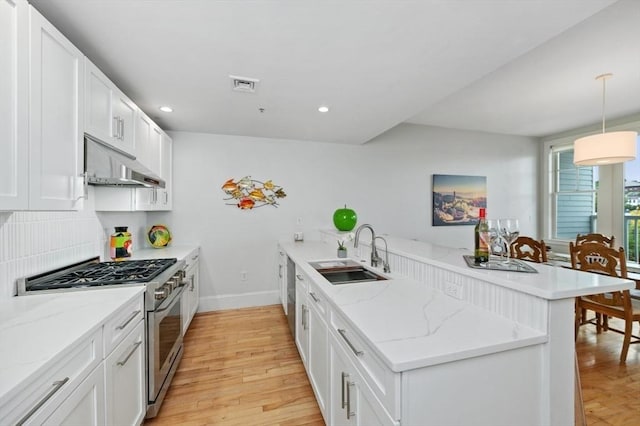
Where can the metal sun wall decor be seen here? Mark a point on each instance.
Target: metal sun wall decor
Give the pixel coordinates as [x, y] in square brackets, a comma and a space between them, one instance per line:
[250, 193]
[457, 199]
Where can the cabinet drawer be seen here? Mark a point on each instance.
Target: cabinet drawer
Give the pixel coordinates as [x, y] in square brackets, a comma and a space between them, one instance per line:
[192, 258]
[317, 300]
[384, 382]
[39, 399]
[122, 322]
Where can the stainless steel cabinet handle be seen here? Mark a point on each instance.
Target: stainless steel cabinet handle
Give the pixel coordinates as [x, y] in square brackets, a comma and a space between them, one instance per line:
[56, 387]
[123, 325]
[298, 276]
[304, 317]
[280, 271]
[115, 128]
[349, 413]
[313, 296]
[195, 257]
[193, 282]
[344, 376]
[126, 358]
[121, 129]
[343, 333]
[166, 197]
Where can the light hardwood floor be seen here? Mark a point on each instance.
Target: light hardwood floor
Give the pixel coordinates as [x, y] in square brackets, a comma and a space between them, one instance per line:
[241, 367]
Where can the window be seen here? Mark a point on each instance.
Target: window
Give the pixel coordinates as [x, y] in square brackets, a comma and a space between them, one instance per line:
[632, 208]
[573, 196]
[603, 199]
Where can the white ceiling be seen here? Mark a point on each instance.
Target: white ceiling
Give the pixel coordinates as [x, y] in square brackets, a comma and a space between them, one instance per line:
[523, 67]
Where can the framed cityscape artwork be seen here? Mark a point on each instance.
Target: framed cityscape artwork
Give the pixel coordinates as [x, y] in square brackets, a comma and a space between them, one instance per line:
[457, 199]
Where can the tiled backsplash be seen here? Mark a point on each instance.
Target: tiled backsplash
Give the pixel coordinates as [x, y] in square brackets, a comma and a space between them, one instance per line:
[33, 242]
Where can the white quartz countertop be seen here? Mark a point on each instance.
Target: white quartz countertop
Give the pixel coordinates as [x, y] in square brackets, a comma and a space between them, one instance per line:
[36, 330]
[410, 325]
[551, 282]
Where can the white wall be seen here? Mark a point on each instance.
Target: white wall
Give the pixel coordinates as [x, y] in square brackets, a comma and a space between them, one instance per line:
[387, 182]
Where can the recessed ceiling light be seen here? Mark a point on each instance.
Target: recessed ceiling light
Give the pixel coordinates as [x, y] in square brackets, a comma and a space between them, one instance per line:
[323, 109]
[166, 109]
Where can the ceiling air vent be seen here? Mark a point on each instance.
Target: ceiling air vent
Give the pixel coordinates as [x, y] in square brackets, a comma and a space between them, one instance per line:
[244, 84]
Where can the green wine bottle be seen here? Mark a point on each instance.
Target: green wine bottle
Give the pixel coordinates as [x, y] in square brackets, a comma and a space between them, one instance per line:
[481, 234]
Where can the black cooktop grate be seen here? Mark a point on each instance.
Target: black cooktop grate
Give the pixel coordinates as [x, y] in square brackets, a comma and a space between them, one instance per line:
[94, 273]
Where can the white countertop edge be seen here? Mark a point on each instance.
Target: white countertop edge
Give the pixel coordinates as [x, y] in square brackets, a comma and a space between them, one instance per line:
[458, 356]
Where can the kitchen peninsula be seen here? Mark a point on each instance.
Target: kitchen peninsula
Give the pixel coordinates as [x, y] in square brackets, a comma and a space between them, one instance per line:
[438, 341]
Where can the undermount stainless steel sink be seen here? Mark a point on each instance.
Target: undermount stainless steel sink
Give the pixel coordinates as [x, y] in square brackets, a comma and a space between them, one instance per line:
[345, 272]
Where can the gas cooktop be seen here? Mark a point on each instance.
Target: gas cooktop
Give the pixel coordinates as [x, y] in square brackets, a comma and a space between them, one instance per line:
[93, 273]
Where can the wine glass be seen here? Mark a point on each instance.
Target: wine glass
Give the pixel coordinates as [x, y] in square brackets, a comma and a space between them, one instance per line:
[494, 245]
[509, 231]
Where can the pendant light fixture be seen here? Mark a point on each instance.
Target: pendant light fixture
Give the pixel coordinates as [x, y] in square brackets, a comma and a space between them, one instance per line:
[604, 148]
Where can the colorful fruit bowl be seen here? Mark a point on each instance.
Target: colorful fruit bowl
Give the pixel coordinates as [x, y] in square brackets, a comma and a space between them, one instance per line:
[159, 236]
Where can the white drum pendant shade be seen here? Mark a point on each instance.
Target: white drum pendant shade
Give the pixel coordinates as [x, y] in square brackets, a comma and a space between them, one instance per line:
[605, 148]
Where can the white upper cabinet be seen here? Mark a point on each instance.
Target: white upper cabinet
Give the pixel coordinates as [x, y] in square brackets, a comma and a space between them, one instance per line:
[150, 199]
[14, 118]
[56, 143]
[148, 139]
[110, 115]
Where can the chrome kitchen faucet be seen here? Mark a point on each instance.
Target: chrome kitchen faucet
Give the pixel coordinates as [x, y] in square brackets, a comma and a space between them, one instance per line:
[375, 259]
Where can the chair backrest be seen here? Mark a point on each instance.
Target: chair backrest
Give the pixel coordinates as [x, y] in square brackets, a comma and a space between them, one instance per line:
[596, 238]
[529, 249]
[595, 257]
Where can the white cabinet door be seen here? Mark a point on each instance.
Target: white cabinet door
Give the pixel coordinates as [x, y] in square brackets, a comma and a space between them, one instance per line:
[110, 114]
[352, 403]
[149, 199]
[126, 401]
[98, 119]
[302, 320]
[282, 278]
[318, 354]
[14, 102]
[191, 295]
[55, 119]
[85, 405]
[339, 369]
[165, 198]
[124, 113]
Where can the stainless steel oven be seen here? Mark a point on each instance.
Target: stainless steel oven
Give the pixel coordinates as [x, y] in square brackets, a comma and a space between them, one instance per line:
[164, 340]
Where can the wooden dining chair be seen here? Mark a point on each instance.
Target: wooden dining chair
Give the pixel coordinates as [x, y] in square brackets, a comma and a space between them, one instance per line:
[596, 238]
[595, 257]
[527, 248]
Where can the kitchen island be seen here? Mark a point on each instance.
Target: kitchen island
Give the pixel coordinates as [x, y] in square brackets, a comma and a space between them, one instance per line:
[445, 343]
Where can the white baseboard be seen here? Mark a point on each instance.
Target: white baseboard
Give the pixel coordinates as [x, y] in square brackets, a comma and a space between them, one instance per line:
[235, 301]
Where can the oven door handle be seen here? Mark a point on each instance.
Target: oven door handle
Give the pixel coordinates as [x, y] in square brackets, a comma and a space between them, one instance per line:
[177, 293]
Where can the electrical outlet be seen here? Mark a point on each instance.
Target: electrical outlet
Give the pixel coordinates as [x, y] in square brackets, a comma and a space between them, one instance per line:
[243, 275]
[454, 290]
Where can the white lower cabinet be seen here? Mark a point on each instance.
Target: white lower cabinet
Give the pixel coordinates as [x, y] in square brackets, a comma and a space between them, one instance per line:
[85, 405]
[98, 381]
[125, 380]
[191, 294]
[282, 278]
[302, 319]
[318, 350]
[352, 403]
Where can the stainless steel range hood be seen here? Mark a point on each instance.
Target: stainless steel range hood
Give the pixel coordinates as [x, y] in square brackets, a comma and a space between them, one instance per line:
[108, 166]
